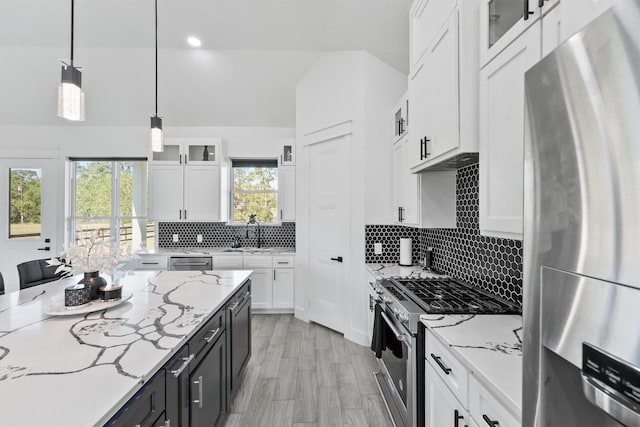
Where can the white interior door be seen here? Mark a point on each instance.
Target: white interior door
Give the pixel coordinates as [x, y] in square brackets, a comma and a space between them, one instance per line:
[328, 230]
[28, 218]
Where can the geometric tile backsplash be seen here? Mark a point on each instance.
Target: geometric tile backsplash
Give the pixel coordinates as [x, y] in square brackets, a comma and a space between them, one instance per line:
[219, 234]
[491, 263]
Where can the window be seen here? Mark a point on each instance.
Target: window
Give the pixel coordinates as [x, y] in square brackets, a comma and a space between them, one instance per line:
[254, 190]
[25, 202]
[111, 194]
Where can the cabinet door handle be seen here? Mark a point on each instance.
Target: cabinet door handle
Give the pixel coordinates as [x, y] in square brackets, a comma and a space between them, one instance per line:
[339, 259]
[281, 216]
[442, 365]
[527, 12]
[426, 147]
[180, 215]
[422, 149]
[185, 214]
[274, 274]
[456, 418]
[489, 421]
[185, 362]
[199, 399]
[215, 332]
[185, 159]
[541, 3]
[180, 157]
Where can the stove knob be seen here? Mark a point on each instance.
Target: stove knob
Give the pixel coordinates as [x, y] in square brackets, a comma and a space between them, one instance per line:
[404, 317]
[396, 311]
[387, 300]
[378, 290]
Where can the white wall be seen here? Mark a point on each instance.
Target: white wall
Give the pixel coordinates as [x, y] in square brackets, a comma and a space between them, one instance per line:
[344, 86]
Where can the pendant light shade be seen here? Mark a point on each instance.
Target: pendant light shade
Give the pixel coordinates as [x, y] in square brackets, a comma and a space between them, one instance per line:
[70, 93]
[157, 143]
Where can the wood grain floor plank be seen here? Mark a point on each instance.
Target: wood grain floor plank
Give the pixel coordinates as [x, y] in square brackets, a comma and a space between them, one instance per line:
[323, 340]
[377, 415]
[279, 333]
[307, 355]
[306, 405]
[329, 410]
[339, 348]
[281, 413]
[259, 346]
[287, 380]
[261, 403]
[268, 324]
[348, 390]
[271, 363]
[296, 324]
[309, 331]
[355, 418]
[243, 399]
[292, 344]
[364, 375]
[325, 369]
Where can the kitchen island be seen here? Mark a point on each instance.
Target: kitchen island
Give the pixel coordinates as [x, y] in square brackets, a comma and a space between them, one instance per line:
[80, 370]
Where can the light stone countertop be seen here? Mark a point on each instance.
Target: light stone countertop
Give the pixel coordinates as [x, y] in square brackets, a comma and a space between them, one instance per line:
[490, 346]
[217, 251]
[395, 270]
[79, 370]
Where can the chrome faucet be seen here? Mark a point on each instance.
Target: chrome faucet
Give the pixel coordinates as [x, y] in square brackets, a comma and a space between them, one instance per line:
[252, 221]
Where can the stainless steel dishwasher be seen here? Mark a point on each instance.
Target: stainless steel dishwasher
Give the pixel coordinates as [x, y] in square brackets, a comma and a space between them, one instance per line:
[179, 263]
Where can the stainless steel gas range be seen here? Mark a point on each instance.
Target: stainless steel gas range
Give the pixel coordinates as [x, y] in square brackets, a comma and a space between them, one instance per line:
[398, 341]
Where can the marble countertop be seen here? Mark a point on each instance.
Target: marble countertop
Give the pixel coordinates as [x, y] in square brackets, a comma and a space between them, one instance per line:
[79, 370]
[395, 270]
[490, 346]
[218, 251]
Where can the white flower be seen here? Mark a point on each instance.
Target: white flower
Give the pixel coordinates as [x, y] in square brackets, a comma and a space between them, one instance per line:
[92, 252]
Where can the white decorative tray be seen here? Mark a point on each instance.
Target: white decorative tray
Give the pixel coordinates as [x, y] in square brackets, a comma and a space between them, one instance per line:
[95, 305]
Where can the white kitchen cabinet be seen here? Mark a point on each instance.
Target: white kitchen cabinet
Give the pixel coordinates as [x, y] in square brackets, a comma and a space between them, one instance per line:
[151, 262]
[452, 373]
[486, 409]
[442, 408]
[183, 186]
[179, 193]
[406, 185]
[443, 88]
[283, 282]
[371, 306]
[261, 289]
[502, 22]
[576, 14]
[287, 193]
[287, 154]
[227, 262]
[189, 151]
[202, 193]
[401, 118]
[502, 135]
[166, 197]
[426, 18]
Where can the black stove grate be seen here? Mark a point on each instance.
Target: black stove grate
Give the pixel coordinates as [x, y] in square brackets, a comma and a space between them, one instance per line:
[448, 296]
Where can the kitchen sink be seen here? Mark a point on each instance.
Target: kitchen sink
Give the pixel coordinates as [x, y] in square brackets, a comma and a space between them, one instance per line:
[248, 250]
[233, 250]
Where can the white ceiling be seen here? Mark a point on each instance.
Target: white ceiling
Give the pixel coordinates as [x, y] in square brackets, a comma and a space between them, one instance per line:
[253, 53]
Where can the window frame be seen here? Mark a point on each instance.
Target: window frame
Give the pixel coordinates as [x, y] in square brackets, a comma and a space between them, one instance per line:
[232, 190]
[115, 219]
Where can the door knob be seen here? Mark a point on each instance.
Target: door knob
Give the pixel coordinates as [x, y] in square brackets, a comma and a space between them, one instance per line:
[46, 248]
[339, 259]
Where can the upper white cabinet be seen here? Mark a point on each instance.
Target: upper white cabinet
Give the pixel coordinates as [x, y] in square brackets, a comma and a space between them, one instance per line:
[401, 118]
[427, 16]
[184, 180]
[189, 151]
[287, 153]
[287, 193]
[502, 136]
[406, 185]
[443, 83]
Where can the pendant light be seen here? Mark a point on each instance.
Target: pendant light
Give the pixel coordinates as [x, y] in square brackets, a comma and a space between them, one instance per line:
[70, 94]
[157, 143]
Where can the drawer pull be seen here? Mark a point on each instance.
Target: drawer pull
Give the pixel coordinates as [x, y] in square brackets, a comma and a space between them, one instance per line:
[489, 421]
[438, 360]
[283, 262]
[199, 399]
[456, 418]
[215, 332]
[186, 360]
[150, 263]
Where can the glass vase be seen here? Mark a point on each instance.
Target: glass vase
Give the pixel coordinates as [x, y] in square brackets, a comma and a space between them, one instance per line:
[94, 281]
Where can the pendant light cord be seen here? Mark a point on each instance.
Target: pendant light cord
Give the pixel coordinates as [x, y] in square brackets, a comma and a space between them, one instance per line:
[72, 21]
[156, 13]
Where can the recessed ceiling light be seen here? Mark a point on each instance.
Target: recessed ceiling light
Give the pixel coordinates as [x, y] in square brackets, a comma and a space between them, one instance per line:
[194, 41]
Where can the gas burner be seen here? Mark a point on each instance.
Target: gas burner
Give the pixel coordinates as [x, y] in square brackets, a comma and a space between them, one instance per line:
[450, 296]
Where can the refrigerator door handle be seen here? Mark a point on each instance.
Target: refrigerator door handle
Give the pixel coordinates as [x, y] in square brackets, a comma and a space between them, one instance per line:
[595, 394]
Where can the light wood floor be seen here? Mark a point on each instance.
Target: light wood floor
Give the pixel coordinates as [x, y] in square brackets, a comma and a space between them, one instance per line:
[303, 375]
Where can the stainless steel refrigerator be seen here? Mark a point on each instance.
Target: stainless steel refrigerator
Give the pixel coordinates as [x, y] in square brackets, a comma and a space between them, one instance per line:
[582, 228]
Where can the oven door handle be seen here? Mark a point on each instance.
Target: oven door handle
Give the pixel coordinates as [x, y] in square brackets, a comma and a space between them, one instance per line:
[399, 335]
